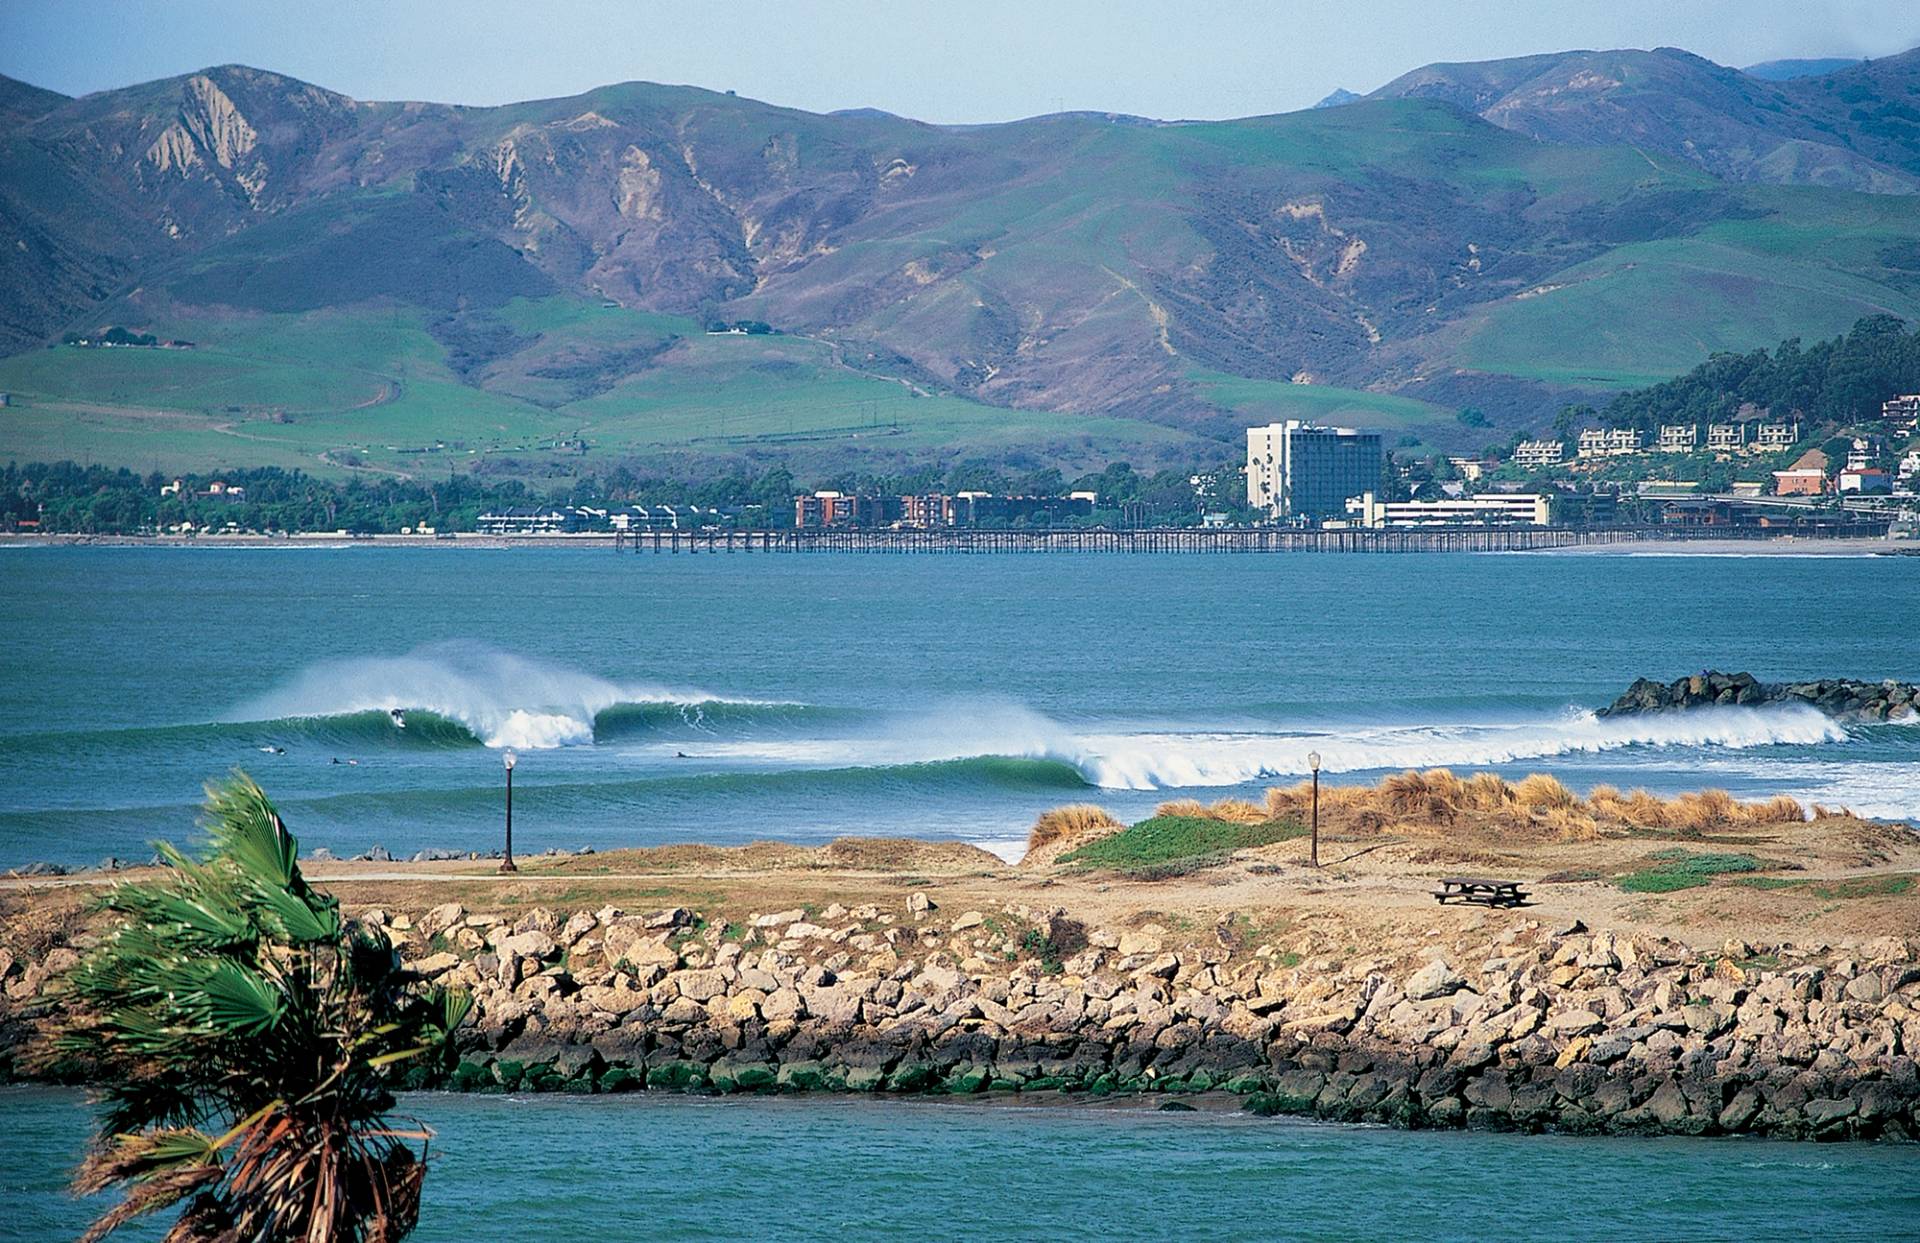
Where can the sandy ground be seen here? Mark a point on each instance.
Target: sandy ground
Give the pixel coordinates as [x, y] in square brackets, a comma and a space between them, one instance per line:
[1374, 887]
[1774, 546]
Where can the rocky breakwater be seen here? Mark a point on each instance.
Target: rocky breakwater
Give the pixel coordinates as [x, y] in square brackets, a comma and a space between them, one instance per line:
[1842, 698]
[1506, 1024]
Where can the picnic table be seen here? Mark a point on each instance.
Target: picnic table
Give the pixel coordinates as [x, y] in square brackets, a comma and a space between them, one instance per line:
[1479, 889]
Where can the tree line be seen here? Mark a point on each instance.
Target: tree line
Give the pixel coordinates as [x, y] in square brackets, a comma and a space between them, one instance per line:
[71, 498]
[1841, 381]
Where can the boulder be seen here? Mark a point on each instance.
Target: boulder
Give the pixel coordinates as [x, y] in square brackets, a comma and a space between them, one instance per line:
[530, 944]
[699, 985]
[442, 917]
[1436, 979]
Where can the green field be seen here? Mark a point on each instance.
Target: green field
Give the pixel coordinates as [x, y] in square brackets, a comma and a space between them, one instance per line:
[371, 388]
[1647, 311]
[1266, 401]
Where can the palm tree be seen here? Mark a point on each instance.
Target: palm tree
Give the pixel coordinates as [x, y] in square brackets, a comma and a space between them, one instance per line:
[247, 1038]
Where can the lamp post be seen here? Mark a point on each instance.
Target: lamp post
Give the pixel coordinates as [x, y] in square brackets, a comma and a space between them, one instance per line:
[1313, 762]
[507, 864]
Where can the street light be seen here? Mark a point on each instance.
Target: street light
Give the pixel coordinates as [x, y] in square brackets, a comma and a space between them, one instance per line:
[507, 864]
[1313, 762]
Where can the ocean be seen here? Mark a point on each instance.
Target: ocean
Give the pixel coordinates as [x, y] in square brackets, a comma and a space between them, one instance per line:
[729, 698]
[840, 1169]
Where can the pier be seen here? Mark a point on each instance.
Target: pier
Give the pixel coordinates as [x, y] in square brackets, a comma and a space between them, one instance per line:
[1195, 540]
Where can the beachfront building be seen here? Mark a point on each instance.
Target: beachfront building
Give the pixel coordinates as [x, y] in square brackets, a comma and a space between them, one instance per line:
[658, 517]
[1469, 468]
[1726, 437]
[1593, 442]
[528, 520]
[1533, 454]
[1776, 437]
[1306, 473]
[1806, 477]
[823, 509]
[1902, 413]
[1865, 480]
[1487, 509]
[1679, 437]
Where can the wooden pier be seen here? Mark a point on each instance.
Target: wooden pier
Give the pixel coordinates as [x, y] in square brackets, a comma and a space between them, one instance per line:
[1178, 539]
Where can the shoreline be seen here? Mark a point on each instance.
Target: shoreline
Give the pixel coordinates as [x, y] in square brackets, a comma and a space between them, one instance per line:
[1255, 983]
[1650, 545]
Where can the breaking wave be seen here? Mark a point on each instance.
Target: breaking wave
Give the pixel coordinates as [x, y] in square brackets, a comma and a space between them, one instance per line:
[1163, 761]
[496, 698]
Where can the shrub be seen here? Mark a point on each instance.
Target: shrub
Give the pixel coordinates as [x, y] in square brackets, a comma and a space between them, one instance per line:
[1238, 811]
[1543, 792]
[1064, 824]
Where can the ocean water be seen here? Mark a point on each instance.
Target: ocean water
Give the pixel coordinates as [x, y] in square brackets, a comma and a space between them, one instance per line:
[843, 1170]
[737, 697]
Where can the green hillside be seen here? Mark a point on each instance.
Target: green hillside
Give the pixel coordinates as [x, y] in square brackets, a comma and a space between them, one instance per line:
[527, 290]
[374, 388]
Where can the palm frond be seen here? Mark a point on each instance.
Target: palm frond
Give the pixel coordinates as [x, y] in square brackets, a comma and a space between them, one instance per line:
[230, 988]
[239, 1001]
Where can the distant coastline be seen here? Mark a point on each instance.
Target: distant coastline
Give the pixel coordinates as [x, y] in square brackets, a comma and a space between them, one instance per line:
[1562, 541]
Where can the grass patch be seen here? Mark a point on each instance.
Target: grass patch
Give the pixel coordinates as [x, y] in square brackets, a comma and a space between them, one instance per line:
[1173, 845]
[1676, 869]
[1890, 886]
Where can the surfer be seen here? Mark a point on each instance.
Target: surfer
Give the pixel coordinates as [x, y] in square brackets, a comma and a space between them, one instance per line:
[399, 718]
[273, 750]
[681, 755]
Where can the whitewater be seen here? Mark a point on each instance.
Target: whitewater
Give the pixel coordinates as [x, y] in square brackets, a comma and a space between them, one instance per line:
[510, 701]
[505, 700]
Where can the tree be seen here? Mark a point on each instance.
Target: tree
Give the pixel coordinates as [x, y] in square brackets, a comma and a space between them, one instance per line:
[247, 1037]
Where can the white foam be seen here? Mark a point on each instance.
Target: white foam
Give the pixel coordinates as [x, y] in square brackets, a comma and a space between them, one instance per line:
[1010, 849]
[1166, 760]
[506, 700]
[1878, 789]
[1171, 757]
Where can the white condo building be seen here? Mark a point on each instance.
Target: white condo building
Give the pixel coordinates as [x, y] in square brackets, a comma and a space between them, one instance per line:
[1302, 471]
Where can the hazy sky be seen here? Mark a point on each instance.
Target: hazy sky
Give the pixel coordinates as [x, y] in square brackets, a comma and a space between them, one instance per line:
[949, 61]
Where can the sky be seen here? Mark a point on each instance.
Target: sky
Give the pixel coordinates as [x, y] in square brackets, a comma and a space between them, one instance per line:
[956, 61]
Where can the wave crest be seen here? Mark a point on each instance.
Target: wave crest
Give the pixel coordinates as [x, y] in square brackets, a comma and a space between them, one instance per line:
[502, 699]
[1163, 761]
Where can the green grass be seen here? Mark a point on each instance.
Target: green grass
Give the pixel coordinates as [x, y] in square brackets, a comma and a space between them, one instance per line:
[1172, 845]
[1278, 400]
[1674, 870]
[371, 385]
[1810, 266]
[1888, 886]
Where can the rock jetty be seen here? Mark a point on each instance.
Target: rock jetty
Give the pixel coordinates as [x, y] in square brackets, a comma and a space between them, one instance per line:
[1507, 1024]
[1843, 698]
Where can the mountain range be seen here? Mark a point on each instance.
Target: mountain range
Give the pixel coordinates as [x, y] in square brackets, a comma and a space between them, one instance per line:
[365, 283]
